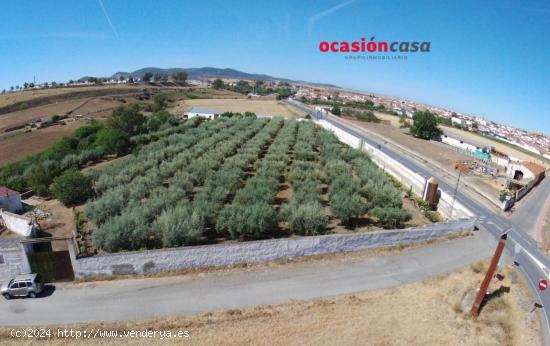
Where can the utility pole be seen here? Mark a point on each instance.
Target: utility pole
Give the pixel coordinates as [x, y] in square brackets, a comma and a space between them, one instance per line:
[454, 194]
[488, 276]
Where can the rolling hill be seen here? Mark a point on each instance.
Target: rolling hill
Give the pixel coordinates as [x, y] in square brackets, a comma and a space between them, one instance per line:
[210, 72]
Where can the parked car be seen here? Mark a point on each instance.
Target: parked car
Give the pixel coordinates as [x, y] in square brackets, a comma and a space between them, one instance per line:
[26, 285]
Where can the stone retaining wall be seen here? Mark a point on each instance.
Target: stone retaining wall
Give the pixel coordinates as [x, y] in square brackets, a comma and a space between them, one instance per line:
[165, 260]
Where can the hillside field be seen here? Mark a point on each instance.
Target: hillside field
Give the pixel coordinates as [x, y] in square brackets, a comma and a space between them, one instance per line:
[239, 179]
[261, 107]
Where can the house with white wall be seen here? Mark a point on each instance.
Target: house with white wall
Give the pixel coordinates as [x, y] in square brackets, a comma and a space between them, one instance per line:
[208, 113]
[525, 171]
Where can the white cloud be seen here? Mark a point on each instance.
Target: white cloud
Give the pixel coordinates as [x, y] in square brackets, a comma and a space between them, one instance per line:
[316, 17]
[108, 18]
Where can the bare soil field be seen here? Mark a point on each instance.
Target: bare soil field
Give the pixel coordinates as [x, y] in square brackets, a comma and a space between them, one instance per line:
[26, 95]
[425, 313]
[425, 148]
[261, 107]
[24, 144]
[25, 116]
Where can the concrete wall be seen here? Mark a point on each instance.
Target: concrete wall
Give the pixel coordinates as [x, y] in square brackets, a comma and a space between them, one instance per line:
[448, 208]
[14, 259]
[523, 191]
[458, 143]
[151, 261]
[501, 161]
[17, 223]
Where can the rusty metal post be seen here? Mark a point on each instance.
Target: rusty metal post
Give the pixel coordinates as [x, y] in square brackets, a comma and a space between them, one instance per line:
[488, 276]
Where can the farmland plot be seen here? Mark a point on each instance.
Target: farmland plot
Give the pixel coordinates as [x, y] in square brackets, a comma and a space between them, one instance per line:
[204, 182]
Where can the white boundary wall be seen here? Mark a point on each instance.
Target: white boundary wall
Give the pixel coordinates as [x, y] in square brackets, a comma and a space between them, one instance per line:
[406, 176]
[164, 260]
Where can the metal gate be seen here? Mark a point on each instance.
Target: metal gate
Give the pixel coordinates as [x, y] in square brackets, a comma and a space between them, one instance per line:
[52, 265]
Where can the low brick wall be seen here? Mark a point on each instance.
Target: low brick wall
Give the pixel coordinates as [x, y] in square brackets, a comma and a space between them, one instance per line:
[151, 261]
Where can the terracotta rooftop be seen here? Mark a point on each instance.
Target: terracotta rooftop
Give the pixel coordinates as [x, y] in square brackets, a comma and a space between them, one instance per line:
[533, 167]
[5, 192]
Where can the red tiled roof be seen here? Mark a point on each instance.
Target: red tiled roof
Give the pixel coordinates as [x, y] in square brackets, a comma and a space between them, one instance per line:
[4, 192]
[533, 167]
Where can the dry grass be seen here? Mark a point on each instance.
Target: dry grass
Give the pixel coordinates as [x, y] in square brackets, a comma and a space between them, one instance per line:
[425, 313]
[10, 98]
[263, 107]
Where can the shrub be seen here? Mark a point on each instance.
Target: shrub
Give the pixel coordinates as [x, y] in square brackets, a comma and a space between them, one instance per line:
[250, 221]
[306, 219]
[159, 118]
[391, 217]
[113, 141]
[180, 225]
[72, 187]
[347, 207]
[160, 102]
[128, 119]
[39, 180]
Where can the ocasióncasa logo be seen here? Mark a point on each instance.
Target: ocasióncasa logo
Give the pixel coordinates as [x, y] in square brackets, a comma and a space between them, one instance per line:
[373, 46]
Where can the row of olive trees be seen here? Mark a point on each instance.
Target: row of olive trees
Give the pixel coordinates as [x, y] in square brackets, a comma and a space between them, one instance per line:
[251, 214]
[226, 181]
[346, 201]
[132, 179]
[304, 211]
[154, 154]
[206, 154]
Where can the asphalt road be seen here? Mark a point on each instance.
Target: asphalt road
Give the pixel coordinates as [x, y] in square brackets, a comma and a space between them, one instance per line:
[189, 294]
[532, 262]
[529, 213]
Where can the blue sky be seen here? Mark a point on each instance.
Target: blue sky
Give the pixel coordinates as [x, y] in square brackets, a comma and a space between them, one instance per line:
[487, 58]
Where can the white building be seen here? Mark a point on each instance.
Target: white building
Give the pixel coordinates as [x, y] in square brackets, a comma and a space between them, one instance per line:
[202, 112]
[523, 171]
[458, 143]
[10, 200]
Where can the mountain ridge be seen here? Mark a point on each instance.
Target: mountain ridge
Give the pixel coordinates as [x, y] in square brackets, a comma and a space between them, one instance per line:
[210, 72]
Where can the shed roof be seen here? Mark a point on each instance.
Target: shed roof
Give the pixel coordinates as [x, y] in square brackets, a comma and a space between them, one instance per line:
[5, 192]
[534, 168]
[204, 110]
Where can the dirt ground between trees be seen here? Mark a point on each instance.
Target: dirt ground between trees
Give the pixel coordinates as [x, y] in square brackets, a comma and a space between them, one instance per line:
[424, 313]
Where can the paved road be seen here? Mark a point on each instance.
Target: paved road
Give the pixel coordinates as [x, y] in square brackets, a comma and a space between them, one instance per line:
[532, 262]
[529, 213]
[148, 298]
